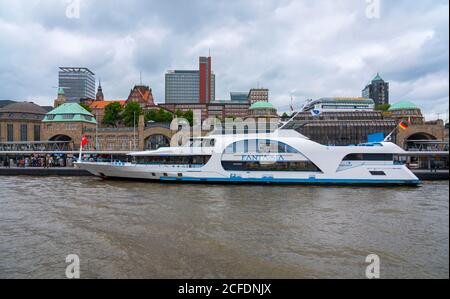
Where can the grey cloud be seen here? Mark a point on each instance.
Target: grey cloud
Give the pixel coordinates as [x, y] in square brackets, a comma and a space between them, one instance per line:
[305, 49]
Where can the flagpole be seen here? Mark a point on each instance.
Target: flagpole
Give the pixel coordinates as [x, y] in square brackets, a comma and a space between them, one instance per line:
[81, 152]
[393, 131]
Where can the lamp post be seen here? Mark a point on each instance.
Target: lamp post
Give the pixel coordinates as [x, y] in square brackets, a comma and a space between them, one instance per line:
[134, 130]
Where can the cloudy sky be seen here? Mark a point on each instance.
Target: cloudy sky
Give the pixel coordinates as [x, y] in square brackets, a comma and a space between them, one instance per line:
[300, 48]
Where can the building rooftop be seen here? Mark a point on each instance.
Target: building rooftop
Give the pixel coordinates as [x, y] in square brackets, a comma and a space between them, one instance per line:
[70, 112]
[4, 103]
[378, 78]
[23, 107]
[103, 104]
[403, 106]
[76, 69]
[262, 105]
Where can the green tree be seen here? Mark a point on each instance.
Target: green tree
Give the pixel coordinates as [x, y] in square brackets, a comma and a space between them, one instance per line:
[285, 116]
[150, 115]
[179, 113]
[158, 116]
[189, 116]
[86, 107]
[382, 107]
[131, 113]
[163, 116]
[113, 115]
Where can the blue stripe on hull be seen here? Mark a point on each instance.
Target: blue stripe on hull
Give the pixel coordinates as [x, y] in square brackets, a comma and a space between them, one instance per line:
[292, 181]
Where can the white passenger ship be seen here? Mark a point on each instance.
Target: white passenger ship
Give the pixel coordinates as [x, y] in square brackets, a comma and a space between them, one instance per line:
[280, 157]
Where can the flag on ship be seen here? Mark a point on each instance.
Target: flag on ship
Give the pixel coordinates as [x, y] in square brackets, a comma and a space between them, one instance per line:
[404, 125]
[84, 141]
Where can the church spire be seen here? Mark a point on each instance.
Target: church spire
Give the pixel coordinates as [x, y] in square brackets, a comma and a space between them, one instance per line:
[99, 96]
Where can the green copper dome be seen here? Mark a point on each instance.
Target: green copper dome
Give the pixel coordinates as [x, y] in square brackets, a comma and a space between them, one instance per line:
[403, 106]
[69, 112]
[378, 78]
[261, 105]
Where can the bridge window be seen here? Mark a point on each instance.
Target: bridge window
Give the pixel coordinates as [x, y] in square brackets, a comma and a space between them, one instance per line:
[260, 146]
[294, 166]
[173, 160]
[369, 157]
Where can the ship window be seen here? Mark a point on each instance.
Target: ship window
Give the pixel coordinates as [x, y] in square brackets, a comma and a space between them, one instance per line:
[369, 157]
[173, 160]
[202, 142]
[294, 166]
[378, 173]
[260, 146]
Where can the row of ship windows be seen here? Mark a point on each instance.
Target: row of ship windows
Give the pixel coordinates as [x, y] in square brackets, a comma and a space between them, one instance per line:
[296, 166]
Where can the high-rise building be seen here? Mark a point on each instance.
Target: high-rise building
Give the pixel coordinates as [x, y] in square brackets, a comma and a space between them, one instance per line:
[205, 69]
[77, 83]
[258, 95]
[377, 90]
[191, 86]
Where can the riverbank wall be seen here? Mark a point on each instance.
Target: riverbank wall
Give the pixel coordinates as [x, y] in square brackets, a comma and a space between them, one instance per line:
[42, 172]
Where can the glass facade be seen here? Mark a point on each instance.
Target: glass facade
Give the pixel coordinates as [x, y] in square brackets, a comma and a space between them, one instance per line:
[183, 87]
[77, 83]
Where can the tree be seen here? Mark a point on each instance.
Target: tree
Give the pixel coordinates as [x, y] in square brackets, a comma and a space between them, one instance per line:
[131, 113]
[113, 114]
[382, 107]
[160, 116]
[164, 116]
[86, 107]
[189, 116]
[285, 116]
[179, 113]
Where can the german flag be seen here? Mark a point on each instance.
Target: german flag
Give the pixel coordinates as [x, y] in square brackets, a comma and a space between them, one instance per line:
[404, 125]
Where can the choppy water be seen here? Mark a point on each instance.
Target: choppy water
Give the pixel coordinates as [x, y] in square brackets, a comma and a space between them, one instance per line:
[151, 230]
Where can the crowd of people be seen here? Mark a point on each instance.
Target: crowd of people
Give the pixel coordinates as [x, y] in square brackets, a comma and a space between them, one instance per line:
[36, 161]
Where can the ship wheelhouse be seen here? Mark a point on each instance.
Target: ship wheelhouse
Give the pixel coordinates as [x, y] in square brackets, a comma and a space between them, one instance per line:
[265, 155]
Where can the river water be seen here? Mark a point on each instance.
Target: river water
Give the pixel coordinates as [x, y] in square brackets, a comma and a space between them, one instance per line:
[152, 230]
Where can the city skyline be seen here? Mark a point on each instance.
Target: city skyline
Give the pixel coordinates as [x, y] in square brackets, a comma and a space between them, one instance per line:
[295, 48]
